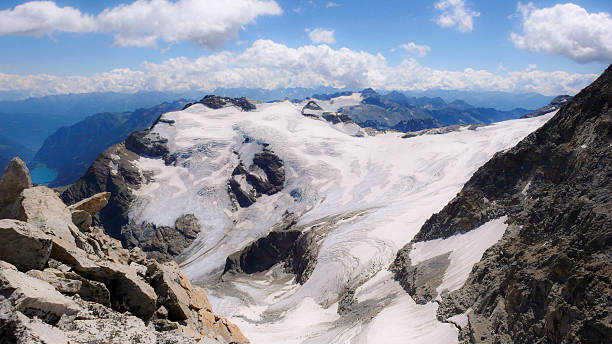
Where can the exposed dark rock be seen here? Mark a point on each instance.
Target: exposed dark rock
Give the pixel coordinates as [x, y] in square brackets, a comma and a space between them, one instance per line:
[555, 104]
[347, 302]
[216, 102]
[312, 105]
[336, 118]
[421, 280]
[548, 279]
[16, 178]
[146, 143]
[112, 172]
[162, 242]
[416, 124]
[262, 254]
[274, 181]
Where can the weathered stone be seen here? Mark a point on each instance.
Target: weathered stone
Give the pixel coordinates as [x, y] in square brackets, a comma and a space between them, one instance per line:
[16, 328]
[15, 179]
[34, 297]
[63, 285]
[23, 245]
[7, 266]
[548, 279]
[162, 243]
[41, 207]
[91, 290]
[175, 291]
[420, 280]
[222, 327]
[93, 204]
[81, 219]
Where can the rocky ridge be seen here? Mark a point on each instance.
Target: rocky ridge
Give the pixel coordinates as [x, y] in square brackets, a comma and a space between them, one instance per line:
[555, 104]
[65, 282]
[114, 171]
[548, 279]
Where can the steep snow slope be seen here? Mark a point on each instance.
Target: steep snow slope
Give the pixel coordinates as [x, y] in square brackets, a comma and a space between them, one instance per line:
[365, 195]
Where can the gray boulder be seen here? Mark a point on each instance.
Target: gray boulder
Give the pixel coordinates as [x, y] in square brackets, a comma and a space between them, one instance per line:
[34, 297]
[23, 245]
[15, 179]
[41, 207]
[92, 204]
[81, 219]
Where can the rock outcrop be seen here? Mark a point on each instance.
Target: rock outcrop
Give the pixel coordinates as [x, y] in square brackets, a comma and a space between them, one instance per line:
[60, 283]
[216, 102]
[27, 247]
[15, 179]
[555, 104]
[548, 280]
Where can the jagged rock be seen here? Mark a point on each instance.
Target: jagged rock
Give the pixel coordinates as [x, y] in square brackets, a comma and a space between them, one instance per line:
[15, 179]
[162, 242]
[174, 290]
[263, 253]
[113, 171]
[336, 118]
[23, 245]
[137, 256]
[222, 327]
[108, 248]
[274, 180]
[128, 290]
[34, 297]
[63, 285]
[90, 290]
[81, 219]
[555, 104]
[216, 102]
[147, 143]
[41, 207]
[548, 279]
[17, 328]
[93, 204]
[420, 281]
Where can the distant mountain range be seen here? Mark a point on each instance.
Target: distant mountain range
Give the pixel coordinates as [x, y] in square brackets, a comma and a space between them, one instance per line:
[68, 138]
[71, 149]
[397, 111]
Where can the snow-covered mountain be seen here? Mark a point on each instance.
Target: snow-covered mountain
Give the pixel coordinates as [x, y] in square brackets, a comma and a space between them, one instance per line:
[298, 213]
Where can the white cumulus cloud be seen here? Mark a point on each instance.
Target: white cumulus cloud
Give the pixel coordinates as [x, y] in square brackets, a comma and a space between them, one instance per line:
[143, 22]
[416, 49]
[566, 30]
[332, 4]
[38, 18]
[267, 64]
[455, 13]
[320, 35]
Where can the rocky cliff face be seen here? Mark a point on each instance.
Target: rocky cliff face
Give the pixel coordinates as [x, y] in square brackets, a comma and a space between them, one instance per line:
[548, 280]
[63, 281]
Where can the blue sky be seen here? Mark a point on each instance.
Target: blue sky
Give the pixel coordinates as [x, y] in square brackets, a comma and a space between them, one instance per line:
[64, 46]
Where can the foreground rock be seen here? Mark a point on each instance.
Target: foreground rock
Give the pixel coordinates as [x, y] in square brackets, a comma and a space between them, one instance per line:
[29, 246]
[548, 280]
[60, 283]
[15, 179]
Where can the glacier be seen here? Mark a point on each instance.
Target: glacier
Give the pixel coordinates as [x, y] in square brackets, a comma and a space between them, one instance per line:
[370, 192]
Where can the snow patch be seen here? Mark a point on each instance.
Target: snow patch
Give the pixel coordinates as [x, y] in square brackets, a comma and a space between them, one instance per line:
[466, 250]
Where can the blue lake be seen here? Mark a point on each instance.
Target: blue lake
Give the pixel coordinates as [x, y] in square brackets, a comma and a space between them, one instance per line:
[42, 175]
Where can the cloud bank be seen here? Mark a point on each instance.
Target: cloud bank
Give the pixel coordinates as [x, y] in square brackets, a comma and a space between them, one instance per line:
[565, 30]
[455, 13]
[208, 23]
[269, 65]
